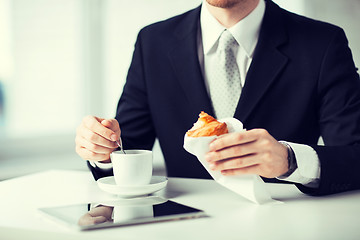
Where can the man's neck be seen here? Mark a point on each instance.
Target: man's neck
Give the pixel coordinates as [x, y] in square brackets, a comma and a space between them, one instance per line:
[228, 17]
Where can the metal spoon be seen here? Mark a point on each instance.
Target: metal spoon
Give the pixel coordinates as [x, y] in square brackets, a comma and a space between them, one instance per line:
[119, 143]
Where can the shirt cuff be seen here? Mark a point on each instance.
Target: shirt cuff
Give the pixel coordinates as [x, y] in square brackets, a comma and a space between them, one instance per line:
[308, 170]
[101, 165]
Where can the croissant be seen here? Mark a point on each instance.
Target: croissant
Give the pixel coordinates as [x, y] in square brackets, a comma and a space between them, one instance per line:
[206, 125]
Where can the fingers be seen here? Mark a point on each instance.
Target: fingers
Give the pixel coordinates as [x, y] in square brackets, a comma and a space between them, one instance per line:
[98, 219]
[87, 220]
[255, 169]
[112, 124]
[89, 155]
[94, 147]
[95, 138]
[235, 163]
[232, 152]
[236, 152]
[232, 139]
[94, 124]
[250, 152]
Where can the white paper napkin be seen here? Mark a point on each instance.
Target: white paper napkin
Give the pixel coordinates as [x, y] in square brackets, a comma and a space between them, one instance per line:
[251, 187]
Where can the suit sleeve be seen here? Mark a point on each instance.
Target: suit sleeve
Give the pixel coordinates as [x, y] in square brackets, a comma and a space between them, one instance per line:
[133, 112]
[339, 119]
[98, 172]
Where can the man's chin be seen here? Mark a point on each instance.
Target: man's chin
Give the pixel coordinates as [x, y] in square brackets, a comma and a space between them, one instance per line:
[224, 3]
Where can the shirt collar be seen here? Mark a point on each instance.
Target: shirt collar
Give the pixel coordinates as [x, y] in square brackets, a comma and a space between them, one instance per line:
[245, 32]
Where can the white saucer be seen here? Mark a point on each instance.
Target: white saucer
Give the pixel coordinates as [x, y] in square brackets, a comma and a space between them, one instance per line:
[108, 185]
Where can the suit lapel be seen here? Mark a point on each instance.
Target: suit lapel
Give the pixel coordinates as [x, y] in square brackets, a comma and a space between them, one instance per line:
[267, 62]
[185, 61]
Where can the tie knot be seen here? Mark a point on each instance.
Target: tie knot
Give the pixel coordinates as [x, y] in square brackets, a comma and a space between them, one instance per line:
[226, 41]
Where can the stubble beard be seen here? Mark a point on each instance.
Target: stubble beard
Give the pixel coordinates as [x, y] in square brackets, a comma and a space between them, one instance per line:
[224, 3]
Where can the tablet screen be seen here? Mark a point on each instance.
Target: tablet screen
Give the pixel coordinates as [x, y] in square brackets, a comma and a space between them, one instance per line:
[121, 212]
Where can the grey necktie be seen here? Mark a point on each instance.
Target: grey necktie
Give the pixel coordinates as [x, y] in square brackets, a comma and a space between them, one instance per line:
[224, 80]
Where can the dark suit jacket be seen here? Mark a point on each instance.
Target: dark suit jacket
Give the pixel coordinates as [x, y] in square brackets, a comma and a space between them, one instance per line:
[302, 83]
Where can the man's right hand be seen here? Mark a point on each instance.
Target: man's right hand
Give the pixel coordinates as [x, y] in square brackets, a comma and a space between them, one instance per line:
[95, 138]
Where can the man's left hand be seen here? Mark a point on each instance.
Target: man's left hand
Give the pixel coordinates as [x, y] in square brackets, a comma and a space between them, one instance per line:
[251, 152]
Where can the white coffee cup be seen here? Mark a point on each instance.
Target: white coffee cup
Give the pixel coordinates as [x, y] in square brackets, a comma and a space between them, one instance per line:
[133, 168]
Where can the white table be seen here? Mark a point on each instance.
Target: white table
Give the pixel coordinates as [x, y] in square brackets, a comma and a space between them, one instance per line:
[230, 215]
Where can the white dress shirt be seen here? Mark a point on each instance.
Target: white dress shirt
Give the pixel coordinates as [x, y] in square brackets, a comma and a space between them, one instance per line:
[246, 33]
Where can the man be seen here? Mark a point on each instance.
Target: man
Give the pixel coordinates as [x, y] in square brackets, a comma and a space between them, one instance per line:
[291, 78]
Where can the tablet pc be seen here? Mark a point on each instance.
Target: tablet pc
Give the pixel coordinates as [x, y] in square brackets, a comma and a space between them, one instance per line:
[122, 212]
